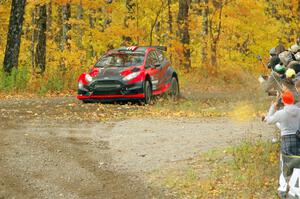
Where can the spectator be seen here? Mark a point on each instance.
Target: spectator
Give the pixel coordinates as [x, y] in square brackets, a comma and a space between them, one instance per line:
[289, 123]
[274, 83]
[297, 86]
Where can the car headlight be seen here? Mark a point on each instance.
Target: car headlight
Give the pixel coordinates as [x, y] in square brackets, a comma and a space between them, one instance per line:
[131, 76]
[80, 85]
[88, 78]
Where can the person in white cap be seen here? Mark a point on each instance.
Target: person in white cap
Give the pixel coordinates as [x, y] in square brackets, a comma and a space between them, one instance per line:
[294, 48]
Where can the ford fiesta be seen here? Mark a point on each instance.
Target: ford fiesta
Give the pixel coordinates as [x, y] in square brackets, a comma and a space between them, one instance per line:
[129, 73]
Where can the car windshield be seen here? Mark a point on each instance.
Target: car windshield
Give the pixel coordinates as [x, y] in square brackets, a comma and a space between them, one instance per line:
[120, 60]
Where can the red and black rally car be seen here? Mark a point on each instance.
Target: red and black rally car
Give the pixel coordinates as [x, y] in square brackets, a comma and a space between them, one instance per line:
[129, 73]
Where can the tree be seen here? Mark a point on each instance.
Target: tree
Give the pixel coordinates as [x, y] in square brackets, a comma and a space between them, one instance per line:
[33, 35]
[78, 27]
[40, 58]
[155, 21]
[170, 20]
[288, 13]
[183, 31]
[14, 35]
[215, 28]
[204, 32]
[65, 16]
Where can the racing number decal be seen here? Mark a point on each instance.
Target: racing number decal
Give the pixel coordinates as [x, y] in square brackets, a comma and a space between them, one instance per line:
[294, 183]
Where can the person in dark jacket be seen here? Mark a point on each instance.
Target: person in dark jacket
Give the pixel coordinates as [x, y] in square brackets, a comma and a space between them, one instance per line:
[279, 49]
[274, 83]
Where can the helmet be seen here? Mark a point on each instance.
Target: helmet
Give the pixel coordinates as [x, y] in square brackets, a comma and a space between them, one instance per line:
[288, 97]
[290, 73]
[297, 56]
[279, 69]
[272, 52]
[294, 48]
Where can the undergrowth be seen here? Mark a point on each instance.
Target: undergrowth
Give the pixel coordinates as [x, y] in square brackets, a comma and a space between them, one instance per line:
[23, 80]
[249, 170]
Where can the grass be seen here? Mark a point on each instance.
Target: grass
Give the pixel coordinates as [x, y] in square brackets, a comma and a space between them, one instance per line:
[249, 170]
[22, 81]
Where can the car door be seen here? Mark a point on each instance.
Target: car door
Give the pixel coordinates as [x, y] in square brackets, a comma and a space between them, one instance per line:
[153, 69]
[164, 65]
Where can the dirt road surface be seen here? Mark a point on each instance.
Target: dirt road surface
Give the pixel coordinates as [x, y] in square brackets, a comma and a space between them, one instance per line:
[47, 151]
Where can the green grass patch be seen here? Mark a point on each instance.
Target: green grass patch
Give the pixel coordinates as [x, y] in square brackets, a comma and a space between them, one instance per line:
[249, 170]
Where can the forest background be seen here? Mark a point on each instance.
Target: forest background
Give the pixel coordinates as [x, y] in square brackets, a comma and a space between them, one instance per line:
[206, 39]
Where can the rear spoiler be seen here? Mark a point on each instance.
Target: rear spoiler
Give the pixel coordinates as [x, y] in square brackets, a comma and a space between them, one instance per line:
[133, 48]
[162, 48]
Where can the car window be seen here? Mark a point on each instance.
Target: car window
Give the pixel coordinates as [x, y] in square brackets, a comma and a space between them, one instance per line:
[120, 60]
[160, 55]
[152, 59]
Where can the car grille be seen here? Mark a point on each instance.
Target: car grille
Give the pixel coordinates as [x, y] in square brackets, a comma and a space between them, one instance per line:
[106, 87]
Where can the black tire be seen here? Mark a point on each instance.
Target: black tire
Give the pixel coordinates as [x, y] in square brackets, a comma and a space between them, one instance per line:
[174, 88]
[86, 101]
[147, 92]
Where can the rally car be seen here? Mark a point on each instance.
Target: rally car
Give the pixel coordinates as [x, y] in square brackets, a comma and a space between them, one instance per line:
[129, 73]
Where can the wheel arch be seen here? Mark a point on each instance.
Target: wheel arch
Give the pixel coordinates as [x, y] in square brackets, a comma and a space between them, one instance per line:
[148, 78]
[174, 74]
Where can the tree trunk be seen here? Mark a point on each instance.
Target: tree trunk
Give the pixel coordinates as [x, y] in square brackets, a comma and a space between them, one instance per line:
[40, 59]
[170, 20]
[155, 23]
[130, 16]
[137, 21]
[66, 15]
[92, 26]
[33, 37]
[183, 30]
[205, 12]
[79, 29]
[215, 37]
[213, 47]
[49, 16]
[14, 35]
[130, 5]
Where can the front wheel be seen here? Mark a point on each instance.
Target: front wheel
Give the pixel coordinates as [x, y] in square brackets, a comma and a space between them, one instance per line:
[147, 92]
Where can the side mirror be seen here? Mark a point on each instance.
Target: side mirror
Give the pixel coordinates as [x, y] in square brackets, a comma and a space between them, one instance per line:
[157, 65]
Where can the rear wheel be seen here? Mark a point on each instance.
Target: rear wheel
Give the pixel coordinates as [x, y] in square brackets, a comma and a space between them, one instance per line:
[147, 92]
[174, 90]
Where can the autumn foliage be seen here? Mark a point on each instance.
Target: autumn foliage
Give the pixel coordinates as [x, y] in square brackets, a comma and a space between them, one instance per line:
[219, 38]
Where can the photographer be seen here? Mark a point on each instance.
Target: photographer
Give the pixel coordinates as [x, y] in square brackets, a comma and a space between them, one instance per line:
[288, 119]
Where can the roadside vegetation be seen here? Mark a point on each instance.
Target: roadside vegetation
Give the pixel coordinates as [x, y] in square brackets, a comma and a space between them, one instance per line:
[249, 170]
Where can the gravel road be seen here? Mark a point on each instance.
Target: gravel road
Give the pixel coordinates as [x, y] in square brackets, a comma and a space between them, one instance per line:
[45, 152]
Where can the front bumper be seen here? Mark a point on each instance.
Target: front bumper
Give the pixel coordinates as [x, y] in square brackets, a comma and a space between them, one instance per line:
[135, 96]
[111, 89]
